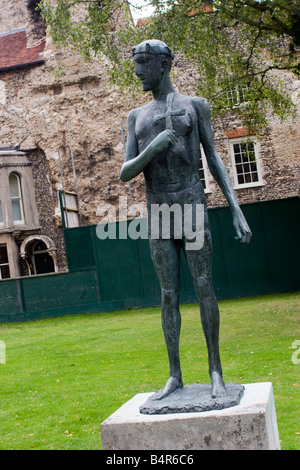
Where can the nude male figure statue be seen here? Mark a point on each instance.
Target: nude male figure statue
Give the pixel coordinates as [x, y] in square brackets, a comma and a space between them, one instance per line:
[163, 142]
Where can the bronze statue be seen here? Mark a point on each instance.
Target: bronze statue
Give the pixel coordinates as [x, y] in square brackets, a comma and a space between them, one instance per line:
[164, 142]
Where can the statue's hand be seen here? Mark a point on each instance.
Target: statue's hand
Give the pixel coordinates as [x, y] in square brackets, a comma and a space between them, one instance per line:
[241, 227]
[162, 141]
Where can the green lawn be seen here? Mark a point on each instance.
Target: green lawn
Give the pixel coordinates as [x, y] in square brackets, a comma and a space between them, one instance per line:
[64, 376]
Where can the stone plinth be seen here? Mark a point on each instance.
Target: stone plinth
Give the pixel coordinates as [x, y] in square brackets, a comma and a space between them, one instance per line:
[192, 398]
[251, 425]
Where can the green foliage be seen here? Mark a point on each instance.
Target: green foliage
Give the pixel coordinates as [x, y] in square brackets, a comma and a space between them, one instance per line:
[235, 44]
[83, 24]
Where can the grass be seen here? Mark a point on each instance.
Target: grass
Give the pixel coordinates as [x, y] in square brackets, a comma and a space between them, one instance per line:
[64, 376]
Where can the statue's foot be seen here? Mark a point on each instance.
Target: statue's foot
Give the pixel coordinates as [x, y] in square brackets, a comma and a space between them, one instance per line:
[172, 384]
[218, 386]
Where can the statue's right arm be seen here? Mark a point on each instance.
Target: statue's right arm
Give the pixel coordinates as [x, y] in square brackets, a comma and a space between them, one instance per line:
[135, 162]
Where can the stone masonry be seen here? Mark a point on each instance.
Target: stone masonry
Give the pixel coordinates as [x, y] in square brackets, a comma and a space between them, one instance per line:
[38, 106]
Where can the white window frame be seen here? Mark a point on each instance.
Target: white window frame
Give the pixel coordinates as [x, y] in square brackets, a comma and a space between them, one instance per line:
[1, 208]
[207, 188]
[240, 140]
[236, 97]
[20, 199]
[5, 264]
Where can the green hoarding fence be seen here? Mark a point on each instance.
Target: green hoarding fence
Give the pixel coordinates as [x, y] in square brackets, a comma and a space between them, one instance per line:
[114, 274]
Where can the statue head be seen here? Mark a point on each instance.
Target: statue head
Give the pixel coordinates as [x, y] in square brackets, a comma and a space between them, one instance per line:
[152, 59]
[153, 46]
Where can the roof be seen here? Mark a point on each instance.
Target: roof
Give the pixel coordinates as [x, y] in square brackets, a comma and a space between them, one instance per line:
[143, 21]
[14, 51]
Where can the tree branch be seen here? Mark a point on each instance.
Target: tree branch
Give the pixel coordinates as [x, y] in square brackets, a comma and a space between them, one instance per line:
[252, 75]
[247, 63]
[264, 7]
[260, 24]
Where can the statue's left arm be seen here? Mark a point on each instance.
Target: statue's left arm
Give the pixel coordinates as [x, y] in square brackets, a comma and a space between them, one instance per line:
[219, 171]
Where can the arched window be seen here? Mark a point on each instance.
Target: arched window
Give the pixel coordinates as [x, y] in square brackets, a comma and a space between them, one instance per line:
[42, 261]
[39, 253]
[16, 198]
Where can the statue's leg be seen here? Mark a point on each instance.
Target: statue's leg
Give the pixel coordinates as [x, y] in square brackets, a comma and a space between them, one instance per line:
[200, 264]
[166, 255]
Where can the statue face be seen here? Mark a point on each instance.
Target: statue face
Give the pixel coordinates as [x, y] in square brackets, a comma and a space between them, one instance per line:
[150, 70]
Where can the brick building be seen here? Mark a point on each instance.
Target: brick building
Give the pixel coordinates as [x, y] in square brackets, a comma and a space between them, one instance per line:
[54, 124]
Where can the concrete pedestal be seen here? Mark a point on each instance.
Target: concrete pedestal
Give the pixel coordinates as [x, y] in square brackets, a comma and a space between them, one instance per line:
[251, 425]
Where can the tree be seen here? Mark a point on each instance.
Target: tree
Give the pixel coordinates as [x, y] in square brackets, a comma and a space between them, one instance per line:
[242, 48]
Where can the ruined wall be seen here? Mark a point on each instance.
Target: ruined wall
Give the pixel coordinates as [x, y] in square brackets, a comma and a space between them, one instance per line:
[36, 106]
[47, 201]
[15, 14]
